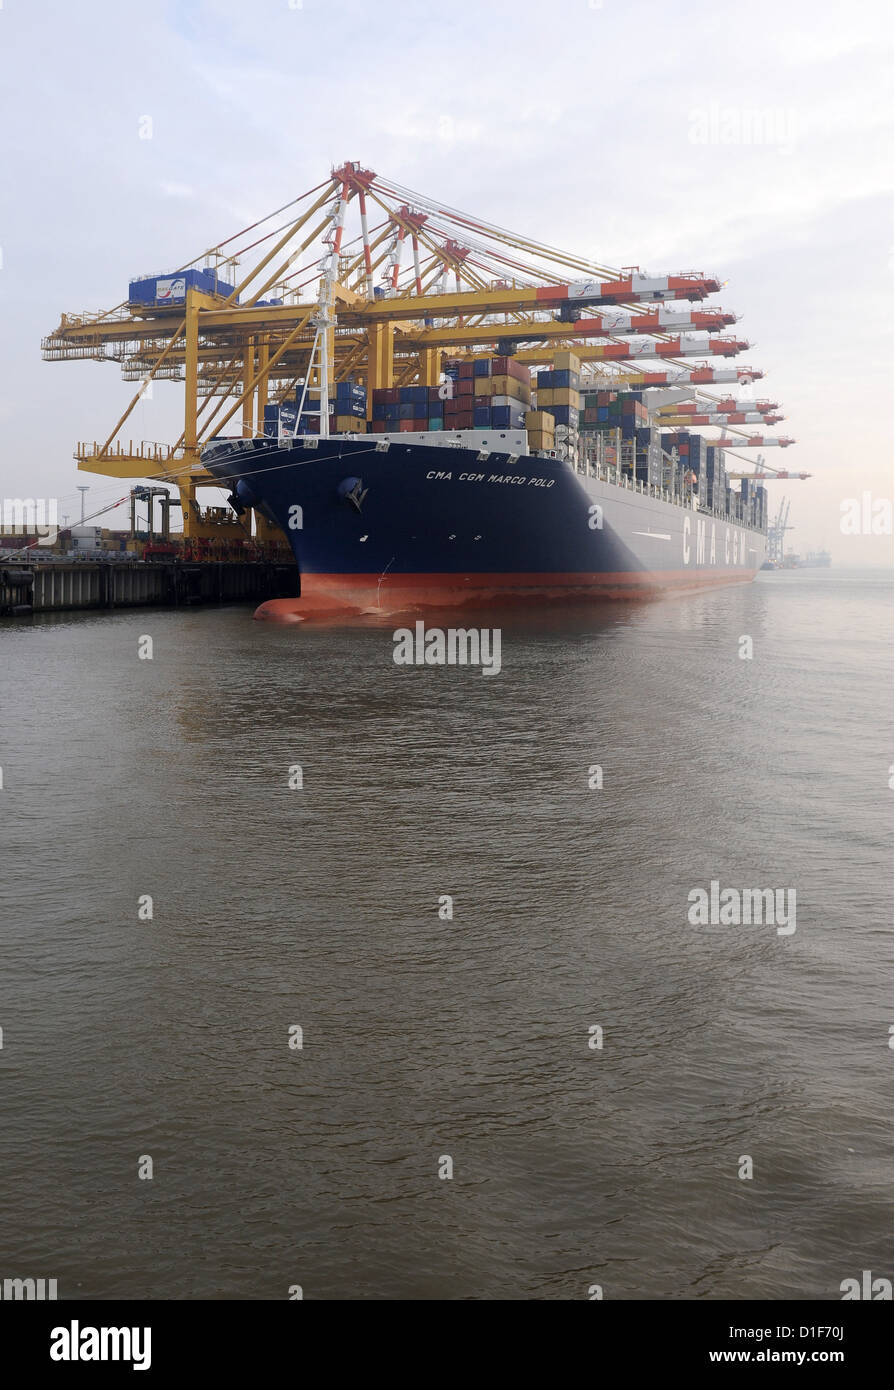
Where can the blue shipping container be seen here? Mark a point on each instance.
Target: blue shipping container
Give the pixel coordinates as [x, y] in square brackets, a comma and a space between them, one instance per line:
[565, 380]
[508, 417]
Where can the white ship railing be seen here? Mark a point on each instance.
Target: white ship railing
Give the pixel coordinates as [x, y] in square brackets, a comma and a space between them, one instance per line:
[609, 473]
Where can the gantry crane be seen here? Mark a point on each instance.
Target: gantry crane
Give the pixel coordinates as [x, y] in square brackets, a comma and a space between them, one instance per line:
[776, 533]
[381, 304]
[761, 472]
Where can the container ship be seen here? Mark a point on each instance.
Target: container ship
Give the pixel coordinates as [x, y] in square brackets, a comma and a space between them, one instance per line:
[497, 489]
[451, 414]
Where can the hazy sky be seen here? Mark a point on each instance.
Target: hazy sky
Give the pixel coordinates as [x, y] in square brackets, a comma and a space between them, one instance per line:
[749, 141]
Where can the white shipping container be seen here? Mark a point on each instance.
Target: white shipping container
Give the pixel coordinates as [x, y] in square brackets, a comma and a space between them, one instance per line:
[86, 537]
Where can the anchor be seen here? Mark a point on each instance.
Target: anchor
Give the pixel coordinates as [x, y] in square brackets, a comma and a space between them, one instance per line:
[352, 490]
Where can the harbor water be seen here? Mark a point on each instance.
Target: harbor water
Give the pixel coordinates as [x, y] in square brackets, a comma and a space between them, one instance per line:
[558, 1087]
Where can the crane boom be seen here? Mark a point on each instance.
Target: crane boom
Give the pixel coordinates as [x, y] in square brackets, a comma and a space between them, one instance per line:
[325, 297]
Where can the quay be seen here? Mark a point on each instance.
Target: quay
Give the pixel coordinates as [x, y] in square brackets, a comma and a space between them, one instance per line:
[54, 585]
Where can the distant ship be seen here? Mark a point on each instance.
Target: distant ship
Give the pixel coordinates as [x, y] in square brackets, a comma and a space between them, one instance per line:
[813, 560]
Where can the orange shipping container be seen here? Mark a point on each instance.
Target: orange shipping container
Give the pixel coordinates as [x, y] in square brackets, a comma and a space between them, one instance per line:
[564, 395]
[510, 386]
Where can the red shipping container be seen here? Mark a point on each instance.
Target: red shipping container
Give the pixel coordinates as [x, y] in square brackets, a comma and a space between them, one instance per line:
[379, 426]
[421, 423]
[509, 366]
[466, 370]
[407, 425]
[465, 386]
[454, 407]
[464, 421]
[434, 393]
[386, 395]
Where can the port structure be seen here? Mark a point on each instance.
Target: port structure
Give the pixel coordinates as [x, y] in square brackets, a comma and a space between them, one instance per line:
[360, 279]
[776, 534]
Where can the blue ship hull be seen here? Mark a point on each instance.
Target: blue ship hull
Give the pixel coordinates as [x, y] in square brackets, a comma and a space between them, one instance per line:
[378, 524]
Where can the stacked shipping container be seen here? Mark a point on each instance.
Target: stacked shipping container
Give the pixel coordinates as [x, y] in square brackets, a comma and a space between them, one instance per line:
[622, 413]
[480, 393]
[558, 395]
[614, 410]
[494, 393]
[347, 412]
[541, 427]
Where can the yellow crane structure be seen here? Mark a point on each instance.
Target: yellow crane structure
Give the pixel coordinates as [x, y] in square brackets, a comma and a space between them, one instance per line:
[381, 302]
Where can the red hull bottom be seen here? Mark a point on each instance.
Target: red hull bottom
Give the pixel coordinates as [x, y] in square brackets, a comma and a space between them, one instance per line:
[328, 595]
